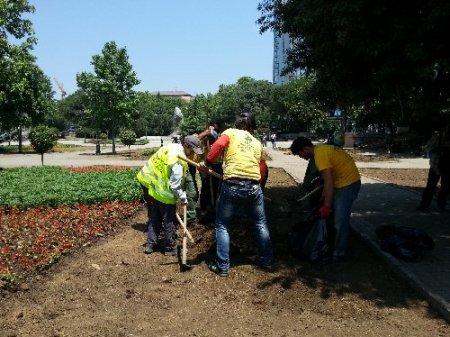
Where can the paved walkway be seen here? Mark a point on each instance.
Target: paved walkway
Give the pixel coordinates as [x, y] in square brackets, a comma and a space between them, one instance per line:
[378, 204]
[383, 204]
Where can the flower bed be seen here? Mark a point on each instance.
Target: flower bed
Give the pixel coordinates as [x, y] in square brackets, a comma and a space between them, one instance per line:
[46, 211]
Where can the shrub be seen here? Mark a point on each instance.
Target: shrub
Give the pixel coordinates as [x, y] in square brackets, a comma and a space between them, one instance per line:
[42, 139]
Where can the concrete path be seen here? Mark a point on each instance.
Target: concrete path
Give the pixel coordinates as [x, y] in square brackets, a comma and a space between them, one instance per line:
[382, 204]
[78, 158]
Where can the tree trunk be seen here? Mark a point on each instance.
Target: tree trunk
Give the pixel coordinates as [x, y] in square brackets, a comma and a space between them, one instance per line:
[19, 136]
[42, 159]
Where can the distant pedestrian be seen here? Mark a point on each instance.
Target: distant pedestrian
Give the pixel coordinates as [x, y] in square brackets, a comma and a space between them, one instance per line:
[342, 183]
[273, 139]
[438, 148]
[162, 142]
[264, 140]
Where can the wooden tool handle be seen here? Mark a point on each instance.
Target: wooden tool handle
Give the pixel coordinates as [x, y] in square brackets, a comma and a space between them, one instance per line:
[209, 171]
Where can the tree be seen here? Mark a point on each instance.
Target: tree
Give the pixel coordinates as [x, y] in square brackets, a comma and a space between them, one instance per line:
[384, 55]
[128, 138]
[198, 113]
[26, 94]
[13, 25]
[109, 91]
[42, 139]
[295, 106]
[246, 95]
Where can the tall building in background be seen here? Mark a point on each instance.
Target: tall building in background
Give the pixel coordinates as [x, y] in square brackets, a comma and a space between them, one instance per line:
[281, 45]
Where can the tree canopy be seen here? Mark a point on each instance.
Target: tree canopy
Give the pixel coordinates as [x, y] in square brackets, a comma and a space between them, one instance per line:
[385, 56]
[109, 90]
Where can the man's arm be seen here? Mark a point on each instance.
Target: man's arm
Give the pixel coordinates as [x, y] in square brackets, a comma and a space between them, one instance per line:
[176, 177]
[217, 149]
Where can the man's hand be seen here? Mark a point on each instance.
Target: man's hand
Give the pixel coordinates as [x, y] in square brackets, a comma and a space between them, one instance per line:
[324, 211]
[203, 168]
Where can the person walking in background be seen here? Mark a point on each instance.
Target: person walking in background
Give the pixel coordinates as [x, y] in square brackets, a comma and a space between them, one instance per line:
[438, 148]
[244, 170]
[273, 139]
[264, 139]
[164, 177]
[342, 183]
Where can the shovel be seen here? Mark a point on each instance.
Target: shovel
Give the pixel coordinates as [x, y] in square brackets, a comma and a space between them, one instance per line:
[186, 235]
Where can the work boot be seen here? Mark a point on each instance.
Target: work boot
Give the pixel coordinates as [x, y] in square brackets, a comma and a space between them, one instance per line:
[171, 252]
[148, 249]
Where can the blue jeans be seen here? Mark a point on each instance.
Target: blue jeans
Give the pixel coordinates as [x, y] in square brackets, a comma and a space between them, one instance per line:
[231, 198]
[343, 199]
[162, 214]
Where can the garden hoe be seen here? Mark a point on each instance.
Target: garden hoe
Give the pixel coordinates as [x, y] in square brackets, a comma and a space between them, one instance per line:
[186, 235]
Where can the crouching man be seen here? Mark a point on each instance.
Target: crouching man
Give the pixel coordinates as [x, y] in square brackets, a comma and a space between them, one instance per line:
[342, 183]
[164, 176]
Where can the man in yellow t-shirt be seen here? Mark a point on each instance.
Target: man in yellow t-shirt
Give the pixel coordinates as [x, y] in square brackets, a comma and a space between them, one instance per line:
[342, 183]
[244, 171]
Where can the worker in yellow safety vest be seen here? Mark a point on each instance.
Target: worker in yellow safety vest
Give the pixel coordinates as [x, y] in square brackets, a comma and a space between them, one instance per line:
[164, 177]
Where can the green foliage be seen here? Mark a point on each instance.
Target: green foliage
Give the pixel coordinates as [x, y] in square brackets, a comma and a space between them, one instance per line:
[247, 95]
[43, 138]
[149, 152]
[53, 186]
[109, 90]
[25, 92]
[381, 57]
[156, 114]
[127, 137]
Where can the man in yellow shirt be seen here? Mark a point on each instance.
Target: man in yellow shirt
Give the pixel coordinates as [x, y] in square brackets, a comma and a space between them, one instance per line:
[241, 188]
[342, 183]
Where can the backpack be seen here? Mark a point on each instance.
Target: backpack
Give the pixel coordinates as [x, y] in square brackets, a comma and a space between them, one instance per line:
[405, 243]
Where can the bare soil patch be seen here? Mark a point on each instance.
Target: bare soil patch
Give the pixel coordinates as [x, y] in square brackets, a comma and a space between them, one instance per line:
[113, 289]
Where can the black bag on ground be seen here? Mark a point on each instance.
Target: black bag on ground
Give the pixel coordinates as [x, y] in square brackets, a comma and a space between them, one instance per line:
[313, 239]
[405, 243]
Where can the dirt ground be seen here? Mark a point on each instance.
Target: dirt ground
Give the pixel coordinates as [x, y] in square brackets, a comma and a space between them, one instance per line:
[113, 289]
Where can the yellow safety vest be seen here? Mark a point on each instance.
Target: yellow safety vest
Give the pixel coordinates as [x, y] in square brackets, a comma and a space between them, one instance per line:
[155, 175]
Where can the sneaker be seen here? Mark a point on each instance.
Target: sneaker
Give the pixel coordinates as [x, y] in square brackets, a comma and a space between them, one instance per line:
[148, 249]
[216, 270]
[171, 252]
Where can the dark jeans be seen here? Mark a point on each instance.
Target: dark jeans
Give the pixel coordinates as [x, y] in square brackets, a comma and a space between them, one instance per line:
[148, 201]
[433, 179]
[162, 214]
[233, 198]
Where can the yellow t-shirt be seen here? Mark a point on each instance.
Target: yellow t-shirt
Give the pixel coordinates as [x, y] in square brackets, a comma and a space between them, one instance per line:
[343, 167]
[242, 156]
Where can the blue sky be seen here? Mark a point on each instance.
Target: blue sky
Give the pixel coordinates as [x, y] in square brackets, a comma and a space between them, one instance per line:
[188, 45]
